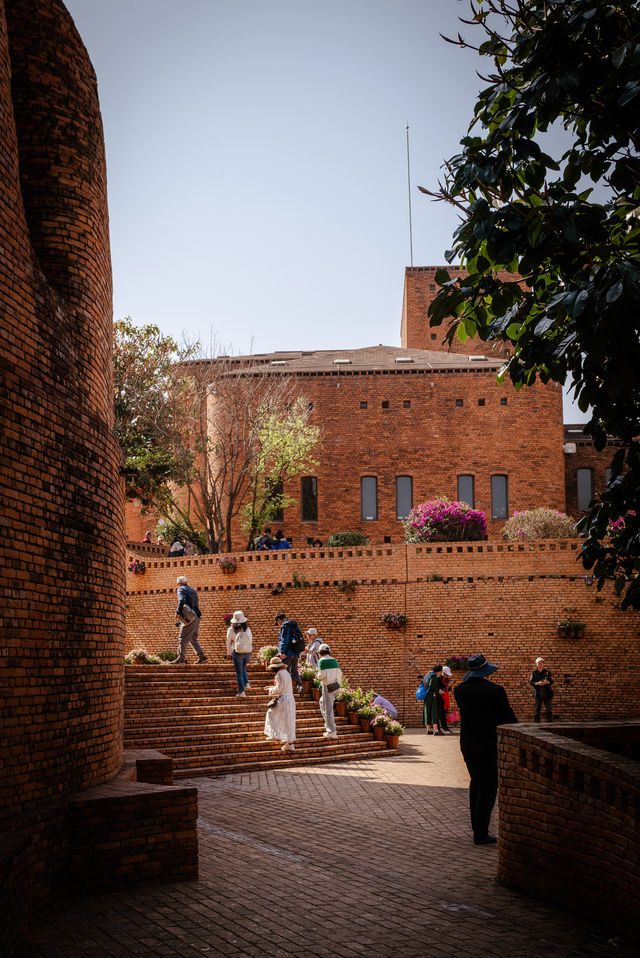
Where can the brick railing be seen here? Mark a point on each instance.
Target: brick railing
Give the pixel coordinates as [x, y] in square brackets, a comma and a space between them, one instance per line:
[570, 818]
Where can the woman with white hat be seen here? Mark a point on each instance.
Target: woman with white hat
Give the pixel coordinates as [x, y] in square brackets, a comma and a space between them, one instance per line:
[313, 647]
[444, 683]
[239, 648]
[280, 721]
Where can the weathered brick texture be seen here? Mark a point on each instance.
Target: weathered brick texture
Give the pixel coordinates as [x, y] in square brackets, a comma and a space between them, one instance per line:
[61, 650]
[502, 599]
[570, 818]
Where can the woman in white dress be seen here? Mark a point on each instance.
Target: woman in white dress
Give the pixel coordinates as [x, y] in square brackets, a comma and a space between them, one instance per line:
[280, 721]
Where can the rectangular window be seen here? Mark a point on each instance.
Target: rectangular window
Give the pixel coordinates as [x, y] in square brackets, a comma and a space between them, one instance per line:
[407, 403]
[368, 498]
[607, 474]
[274, 491]
[585, 489]
[466, 490]
[481, 402]
[385, 403]
[363, 404]
[503, 401]
[404, 496]
[459, 402]
[499, 497]
[309, 498]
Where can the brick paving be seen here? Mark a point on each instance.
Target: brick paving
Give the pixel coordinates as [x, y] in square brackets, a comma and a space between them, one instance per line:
[336, 860]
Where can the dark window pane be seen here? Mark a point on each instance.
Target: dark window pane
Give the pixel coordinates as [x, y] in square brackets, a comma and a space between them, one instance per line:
[309, 497]
[369, 498]
[407, 404]
[363, 404]
[499, 499]
[459, 402]
[608, 474]
[404, 496]
[385, 403]
[585, 493]
[466, 490]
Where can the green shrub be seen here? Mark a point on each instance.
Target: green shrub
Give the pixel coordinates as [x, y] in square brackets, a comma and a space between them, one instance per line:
[340, 539]
[167, 656]
[539, 524]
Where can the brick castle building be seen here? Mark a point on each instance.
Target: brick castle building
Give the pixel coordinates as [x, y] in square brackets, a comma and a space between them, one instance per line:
[401, 425]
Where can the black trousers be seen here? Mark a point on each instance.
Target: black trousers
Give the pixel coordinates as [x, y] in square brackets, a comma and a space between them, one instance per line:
[291, 662]
[538, 703]
[442, 714]
[483, 790]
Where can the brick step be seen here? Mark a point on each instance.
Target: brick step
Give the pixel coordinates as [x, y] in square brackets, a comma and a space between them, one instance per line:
[237, 741]
[326, 748]
[285, 759]
[217, 728]
[231, 706]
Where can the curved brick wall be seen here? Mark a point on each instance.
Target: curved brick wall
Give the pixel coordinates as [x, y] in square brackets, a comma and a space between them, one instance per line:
[61, 647]
[500, 598]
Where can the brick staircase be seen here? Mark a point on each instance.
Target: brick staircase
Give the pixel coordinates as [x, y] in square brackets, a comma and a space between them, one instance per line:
[191, 714]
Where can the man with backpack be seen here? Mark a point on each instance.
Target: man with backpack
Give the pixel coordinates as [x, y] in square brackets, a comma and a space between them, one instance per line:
[290, 644]
[188, 617]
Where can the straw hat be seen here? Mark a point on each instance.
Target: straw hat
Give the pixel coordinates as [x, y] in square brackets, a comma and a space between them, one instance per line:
[276, 663]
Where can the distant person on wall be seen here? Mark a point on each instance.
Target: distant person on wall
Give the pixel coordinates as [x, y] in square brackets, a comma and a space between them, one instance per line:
[176, 549]
[239, 646]
[265, 541]
[313, 648]
[444, 699]
[542, 684]
[281, 541]
[147, 536]
[483, 707]
[330, 678]
[386, 705]
[188, 617]
[431, 703]
[280, 721]
[290, 645]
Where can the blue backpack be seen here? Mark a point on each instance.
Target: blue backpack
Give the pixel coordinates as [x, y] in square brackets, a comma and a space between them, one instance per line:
[421, 692]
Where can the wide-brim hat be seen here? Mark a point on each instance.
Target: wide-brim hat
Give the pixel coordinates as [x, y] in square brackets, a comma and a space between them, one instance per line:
[238, 617]
[276, 663]
[479, 667]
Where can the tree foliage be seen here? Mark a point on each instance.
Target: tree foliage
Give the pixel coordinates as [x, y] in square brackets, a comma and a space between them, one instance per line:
[204, 437]
[551, 244]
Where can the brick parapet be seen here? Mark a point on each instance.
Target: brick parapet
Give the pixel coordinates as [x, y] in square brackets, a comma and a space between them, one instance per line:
[503, 601]
[570, 819]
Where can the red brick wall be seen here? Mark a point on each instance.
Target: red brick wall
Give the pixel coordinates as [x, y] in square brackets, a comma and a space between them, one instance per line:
[504, 600]
[420, 289]
[433, 441]
[61, 668]
[586, 457]
[569, 818]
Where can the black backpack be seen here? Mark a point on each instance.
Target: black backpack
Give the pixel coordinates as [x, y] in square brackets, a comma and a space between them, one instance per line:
[296, 639]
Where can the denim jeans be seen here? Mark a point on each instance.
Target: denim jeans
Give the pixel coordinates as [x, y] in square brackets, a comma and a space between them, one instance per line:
[240, 661]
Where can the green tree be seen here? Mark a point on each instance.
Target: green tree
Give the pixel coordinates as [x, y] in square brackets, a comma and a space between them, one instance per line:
[285, 442]
[551, 244]
[144, 362]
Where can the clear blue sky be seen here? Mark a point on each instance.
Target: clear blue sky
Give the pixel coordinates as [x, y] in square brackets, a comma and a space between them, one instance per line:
[257, 160]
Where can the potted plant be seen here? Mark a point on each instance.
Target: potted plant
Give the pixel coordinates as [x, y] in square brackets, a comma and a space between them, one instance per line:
[394, 620]
[577, 630]
[357, 701]
[137, 567]
[343, 701]
[366, 713]
[316, 689]
[457, 663]
[308, 676]
[564, 628]
[227, 564]
[393, 733]
[266, 653]
[379, 723]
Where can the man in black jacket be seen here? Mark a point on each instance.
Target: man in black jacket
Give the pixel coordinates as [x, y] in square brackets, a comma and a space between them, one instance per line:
[483, 707]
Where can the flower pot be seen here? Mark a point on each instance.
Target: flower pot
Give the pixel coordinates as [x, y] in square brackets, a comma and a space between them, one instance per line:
[365, 724]
[563, 633]
[393, 741]
[354, 718]
[378, 733]
[306, 686]
[577, 633]
[316, 693]
[341, 709]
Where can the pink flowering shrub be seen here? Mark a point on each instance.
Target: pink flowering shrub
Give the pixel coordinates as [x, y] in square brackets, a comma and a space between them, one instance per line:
[442, 520]
[539, 524]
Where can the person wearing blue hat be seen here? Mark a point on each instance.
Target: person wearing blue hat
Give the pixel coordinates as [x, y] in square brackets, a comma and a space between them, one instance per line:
[483, 707]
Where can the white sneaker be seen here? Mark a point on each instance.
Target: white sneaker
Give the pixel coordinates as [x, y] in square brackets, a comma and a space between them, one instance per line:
[330, 735]
[241, 695]
[288, 747]
[247, 686]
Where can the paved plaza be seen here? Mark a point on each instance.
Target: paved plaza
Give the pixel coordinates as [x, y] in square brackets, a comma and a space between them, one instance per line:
[363, 858]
